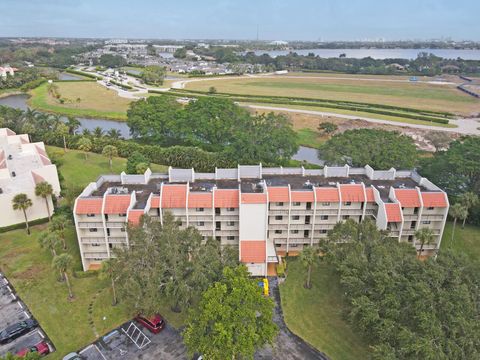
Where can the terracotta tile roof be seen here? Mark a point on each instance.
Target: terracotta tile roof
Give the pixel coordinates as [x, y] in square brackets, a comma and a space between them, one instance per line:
[225, 198]
[155, 204]
[89, 206]
[393, 212]
[199, 200]
[370, 195]
[409, 198]
[253, 251]
[174, 196]
[116, 204]
[134, 217]
[434, 199]
[302, 196]
[254, 198]
[325, 194]
[278, 193]
[352, 193]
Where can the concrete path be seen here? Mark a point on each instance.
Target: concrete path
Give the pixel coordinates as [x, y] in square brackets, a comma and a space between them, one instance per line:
[464, 126]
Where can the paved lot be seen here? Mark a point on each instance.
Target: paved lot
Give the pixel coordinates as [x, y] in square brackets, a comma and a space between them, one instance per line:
[13, 310]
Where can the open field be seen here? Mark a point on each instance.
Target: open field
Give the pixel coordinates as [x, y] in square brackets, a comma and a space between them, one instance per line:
[95, 100]
[423, 96]
[80, 172]
[465, 241]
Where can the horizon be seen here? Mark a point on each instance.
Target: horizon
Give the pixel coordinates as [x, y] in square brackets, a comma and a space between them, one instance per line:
[308, 20]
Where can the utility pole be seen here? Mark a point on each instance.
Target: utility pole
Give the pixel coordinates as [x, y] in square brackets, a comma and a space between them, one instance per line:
[257, 32]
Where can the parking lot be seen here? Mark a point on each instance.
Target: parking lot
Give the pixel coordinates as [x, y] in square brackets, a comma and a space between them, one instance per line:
[12, 311]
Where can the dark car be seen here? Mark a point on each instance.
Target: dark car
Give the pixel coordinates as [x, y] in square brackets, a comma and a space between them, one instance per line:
[13, 331]
[41, 348]
[155, 323]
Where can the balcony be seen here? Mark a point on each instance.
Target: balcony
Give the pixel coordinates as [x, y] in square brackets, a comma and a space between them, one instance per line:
[92, 240]
[432, 218]
[116, 224]
[88, 225]
[95, 255]
[117, 240]
[278, 211]
[410, 217]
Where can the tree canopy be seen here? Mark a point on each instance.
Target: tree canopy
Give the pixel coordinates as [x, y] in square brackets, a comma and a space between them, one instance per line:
[232, 320]
[380, 149]
[153, 75]
[407, 308]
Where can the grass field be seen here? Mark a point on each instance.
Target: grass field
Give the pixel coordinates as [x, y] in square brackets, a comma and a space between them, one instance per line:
[316, 315]
[406, 94]
[95, 100]
[80, 172]
[466, 241]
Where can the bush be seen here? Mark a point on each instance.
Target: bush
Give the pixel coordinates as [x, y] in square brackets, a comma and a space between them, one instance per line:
[72, 71]
[32, 84]
[22, 225]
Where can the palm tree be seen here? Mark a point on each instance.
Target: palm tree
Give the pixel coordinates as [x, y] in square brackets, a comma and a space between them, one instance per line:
[45, 190]
[114, 134]
[425, 236]
[86, 132]
[59, 225]
[457, 211]
[22, 202]
[110, 151]
[63, 263]
[108, 271]
[308, 257]
[73, 125]
[469, 200]
[85, 145]
[98, 132]
[49, 240]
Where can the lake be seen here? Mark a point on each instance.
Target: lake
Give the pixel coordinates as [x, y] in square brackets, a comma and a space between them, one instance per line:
[20, 102]
[466, 54]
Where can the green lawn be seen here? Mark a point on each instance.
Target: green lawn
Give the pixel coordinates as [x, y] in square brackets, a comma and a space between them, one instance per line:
[316, 315]
[466, 241]
[80, 172]
[310, 138]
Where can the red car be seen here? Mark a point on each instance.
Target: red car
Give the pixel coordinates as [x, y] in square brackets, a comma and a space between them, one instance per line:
[41, 348]
[155, 323]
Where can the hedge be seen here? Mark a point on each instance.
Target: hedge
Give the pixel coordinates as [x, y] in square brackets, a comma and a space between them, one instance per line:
[32, 84]
[22, 225]
[128, 87]
[77, 72]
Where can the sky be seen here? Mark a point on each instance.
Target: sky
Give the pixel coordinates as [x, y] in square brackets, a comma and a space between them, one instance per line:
[229, 19]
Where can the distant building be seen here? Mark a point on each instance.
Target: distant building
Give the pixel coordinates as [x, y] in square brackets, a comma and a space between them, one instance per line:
[265, 212]
[278, 43]
[22, 166]
[7, 70]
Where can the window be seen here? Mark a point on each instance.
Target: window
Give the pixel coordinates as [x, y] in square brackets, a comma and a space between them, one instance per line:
[123, 229]
[309, 205]
[323, 231]
[426, 222]
[295, 217]
[410, 238]
[93, 229]
[278, 217]
[108, 232]
[279, 203]
[293, 231]
[90, 215]
[413, 225]
[415, 211]
[293, 245]
[218, 238]
[217, 211]
[324, 217]
[278, 245]
[122, 215]
[230, 238]
[95, 244]
[345, 217]
[296, 203]
[430, 208]
[278, 231]
[218, 225]
[325, 204]
[200, 223]
[106, 217]
[230, 223]
[347, 203]
[199, 209]
[230, 209]
[306, 233]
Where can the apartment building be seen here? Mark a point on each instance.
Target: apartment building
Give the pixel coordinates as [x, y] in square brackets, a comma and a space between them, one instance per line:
[265, 212]
[22, 166]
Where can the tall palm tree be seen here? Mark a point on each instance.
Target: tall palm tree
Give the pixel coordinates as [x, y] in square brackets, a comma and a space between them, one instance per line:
[85, 145]
[22, 202]
[425, 236]
[73, 125]
[86, 132]
[469, 200]
[114, 134]
[63, 263]
[59, 225]
[49, 240]
[98, 132]
[457, 211]
[108, 271]
[308, 257]
[45, 190]
[110, 151]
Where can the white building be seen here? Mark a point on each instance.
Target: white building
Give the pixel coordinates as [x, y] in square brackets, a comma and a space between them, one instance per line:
[7, 70]
[22, 166]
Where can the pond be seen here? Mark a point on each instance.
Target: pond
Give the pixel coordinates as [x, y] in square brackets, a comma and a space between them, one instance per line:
[67, 76]
[20, 102]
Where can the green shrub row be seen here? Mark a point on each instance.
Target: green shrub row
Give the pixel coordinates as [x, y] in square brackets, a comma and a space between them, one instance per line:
[22, 225]
[32, 84]
[82, 80]
[123, 86]
[77, 72]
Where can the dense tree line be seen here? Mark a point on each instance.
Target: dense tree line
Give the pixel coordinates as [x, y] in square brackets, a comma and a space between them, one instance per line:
[380, 149]
[20, 78]
[214, 124]
[407, 308]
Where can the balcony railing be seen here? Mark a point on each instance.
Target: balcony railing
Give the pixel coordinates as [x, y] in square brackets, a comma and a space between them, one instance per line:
[88, 225]
[117, 239]
[272, 259]
[116, 224]
[95, 254]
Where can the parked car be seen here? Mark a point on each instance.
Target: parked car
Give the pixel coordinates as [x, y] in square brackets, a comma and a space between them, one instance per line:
[155, 323]
[41, 348]
[16, 330]
[73, 356]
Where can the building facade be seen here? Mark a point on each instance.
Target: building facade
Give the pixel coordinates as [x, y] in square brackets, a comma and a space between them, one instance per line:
[22, 166]
[265, 212]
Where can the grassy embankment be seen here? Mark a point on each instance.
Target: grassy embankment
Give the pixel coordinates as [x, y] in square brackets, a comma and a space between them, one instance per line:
[82, 99]
[28, 267]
